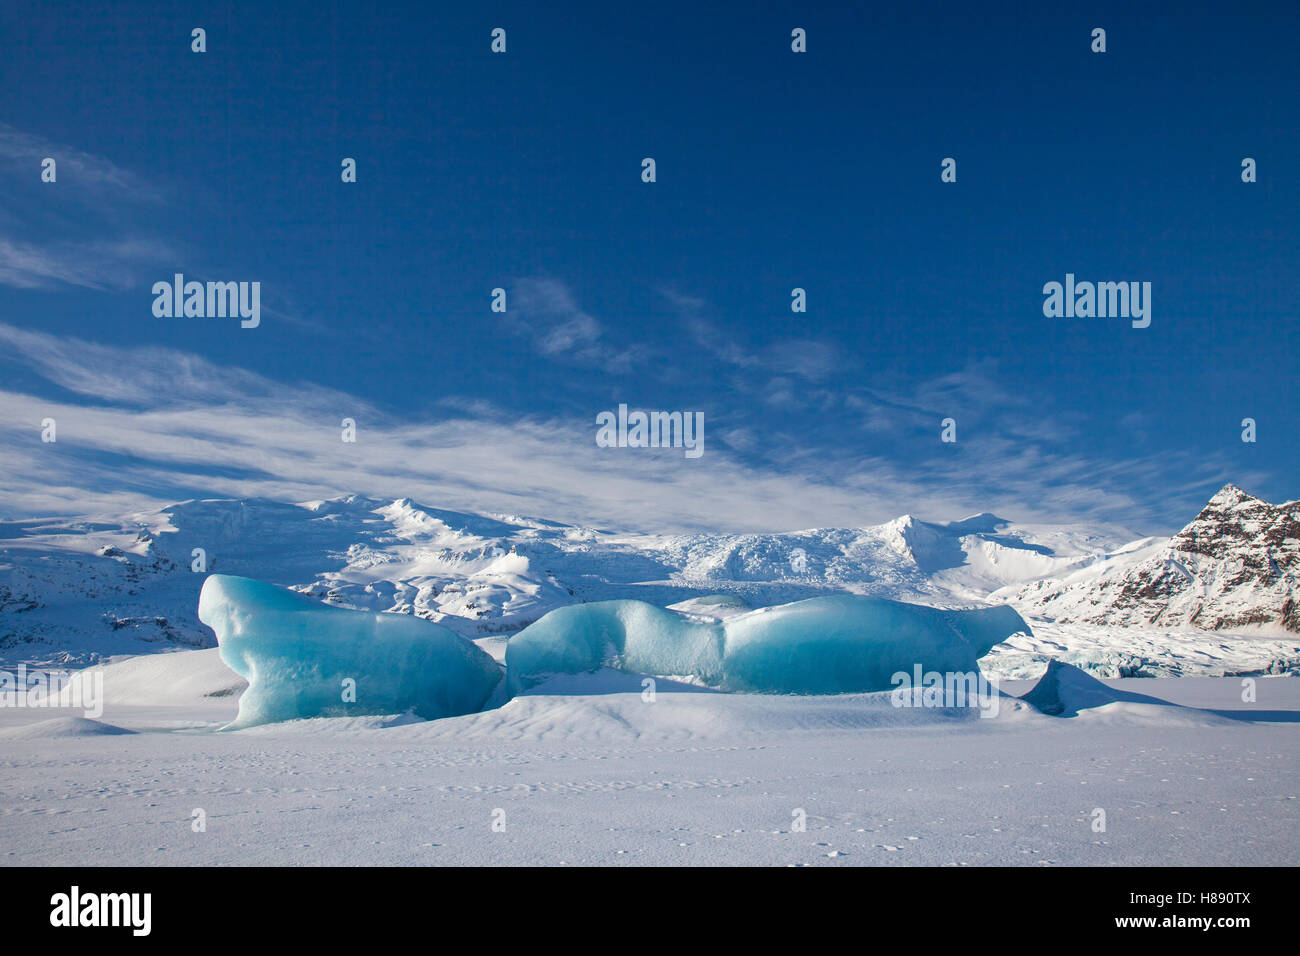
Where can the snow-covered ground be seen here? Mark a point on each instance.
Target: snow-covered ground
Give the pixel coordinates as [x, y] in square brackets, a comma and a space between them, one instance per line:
[584, 770]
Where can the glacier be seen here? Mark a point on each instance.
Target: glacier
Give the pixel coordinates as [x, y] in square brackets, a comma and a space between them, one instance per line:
[826, 645]
[298, 657]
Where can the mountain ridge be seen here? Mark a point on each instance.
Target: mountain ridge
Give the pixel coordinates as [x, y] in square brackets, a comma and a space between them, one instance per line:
[1235, 566]
[76, 591]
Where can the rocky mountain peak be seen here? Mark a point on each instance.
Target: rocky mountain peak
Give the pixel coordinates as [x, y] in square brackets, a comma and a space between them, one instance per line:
[1235, 524]
[1235, 565]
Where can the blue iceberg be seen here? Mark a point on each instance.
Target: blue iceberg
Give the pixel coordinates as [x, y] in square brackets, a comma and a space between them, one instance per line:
[628, 635]
[827, 645]
[302, 658]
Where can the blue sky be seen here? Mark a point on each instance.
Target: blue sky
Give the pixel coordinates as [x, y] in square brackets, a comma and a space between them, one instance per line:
[775, 170]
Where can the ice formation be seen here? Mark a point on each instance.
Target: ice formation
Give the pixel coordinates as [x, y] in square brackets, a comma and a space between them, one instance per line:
[846, 643]
[302, 658]
[824, 645]
[628, 635]
[1065, 691]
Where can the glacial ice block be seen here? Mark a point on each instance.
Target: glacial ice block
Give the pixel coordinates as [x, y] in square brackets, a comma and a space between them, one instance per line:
[628, 635]
[298, 657]
[847, 643]
[827, 645]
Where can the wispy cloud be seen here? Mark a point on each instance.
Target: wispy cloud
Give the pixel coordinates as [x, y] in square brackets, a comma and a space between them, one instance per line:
[78, 169]
[807, 360]
[81, 230]
[546, 311]
[285, 443]
[1016, 454]
[91, 264]
[143, 376]
[178, 426]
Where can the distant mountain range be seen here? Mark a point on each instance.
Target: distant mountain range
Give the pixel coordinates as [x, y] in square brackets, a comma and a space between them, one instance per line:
[76, 591]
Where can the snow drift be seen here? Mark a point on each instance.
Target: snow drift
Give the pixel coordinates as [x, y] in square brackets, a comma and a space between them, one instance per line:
[1066, 691]
[302, 658]
[827, 645]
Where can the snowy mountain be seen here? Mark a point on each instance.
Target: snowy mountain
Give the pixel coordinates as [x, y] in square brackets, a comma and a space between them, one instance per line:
[1235, 567]
[77, 591]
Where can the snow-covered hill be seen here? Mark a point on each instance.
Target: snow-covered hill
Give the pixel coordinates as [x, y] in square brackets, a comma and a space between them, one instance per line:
[1235, 567]
[73, 592]
[77, 592]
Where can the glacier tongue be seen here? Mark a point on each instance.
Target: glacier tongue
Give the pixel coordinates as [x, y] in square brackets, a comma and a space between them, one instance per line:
[302, 658]
[826, 645]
